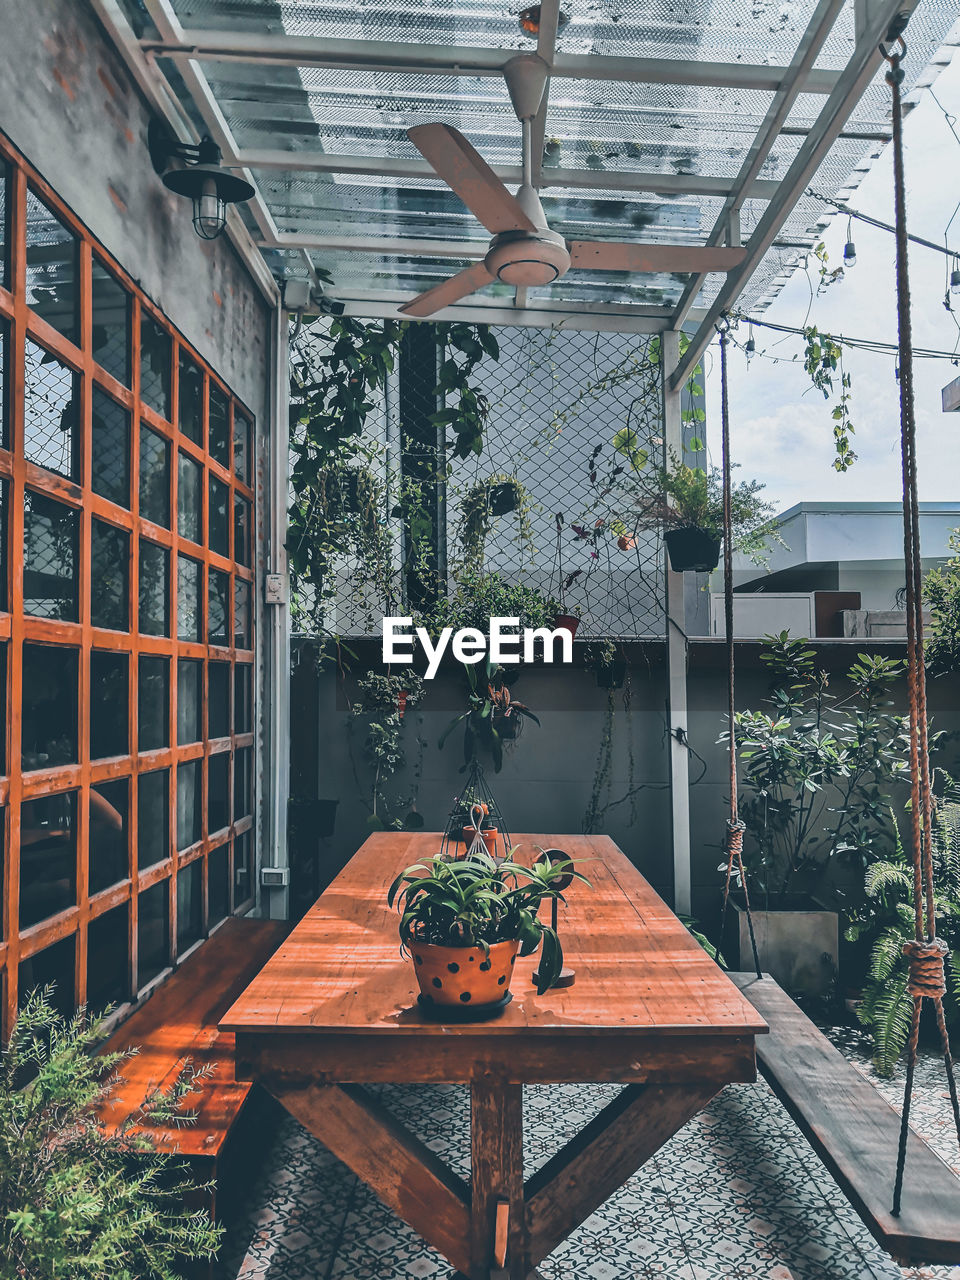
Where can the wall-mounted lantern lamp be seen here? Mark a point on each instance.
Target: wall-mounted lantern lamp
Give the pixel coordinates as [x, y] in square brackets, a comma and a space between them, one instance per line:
[202, 179]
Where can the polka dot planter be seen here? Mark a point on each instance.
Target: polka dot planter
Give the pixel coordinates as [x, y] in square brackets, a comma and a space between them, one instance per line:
[463, 976]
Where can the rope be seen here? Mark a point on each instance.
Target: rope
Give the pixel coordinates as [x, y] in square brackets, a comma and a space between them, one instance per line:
[735, 827]
[926, 953]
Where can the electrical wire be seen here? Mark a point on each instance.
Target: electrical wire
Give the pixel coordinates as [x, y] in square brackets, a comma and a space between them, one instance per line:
[861, 344]
[875, 222]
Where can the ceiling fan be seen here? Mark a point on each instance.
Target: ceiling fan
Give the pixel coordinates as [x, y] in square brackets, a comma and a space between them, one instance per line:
[524, 251]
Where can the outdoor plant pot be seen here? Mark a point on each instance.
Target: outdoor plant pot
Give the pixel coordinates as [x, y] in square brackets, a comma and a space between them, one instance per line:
[797, 940]
[503, 499]
[464, 975]
[566, 622]
[692, 550]
[489, 836]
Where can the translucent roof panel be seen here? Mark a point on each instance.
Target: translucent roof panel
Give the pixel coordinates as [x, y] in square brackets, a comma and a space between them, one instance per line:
[653, 111]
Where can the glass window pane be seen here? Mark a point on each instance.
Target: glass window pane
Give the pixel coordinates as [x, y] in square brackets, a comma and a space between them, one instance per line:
[242, 435]
[218, 700]
[242, 629]
[53, 966]
[48, 857]
[241, 530]
[4, 376]
[109, 811]
[189, 611]
[108, 976]
[50, 532]
[109, 714]
[155, 362]
[111, 449]
[188, 804]
[109, 577]
[189, 695]
[242, 783]
[189, 905]
[242, 870]
[51, 404]
[190, 726]
[218, 885]
[49, 730]
[218, 792]
[218, 518]
[153, 703]
[153, 819]
[218, 605]
[51, 268]
[191, 400]
[111, 324]
[219, 425]
[154, 589]
[154, 477]
[189, 480]
[153, 932]
[4, 223]
[242, 699]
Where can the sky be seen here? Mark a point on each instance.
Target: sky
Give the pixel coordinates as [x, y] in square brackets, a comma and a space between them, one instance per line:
[781, 430]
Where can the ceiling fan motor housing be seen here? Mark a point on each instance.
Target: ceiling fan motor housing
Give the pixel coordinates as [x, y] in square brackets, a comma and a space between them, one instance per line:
[527, 258]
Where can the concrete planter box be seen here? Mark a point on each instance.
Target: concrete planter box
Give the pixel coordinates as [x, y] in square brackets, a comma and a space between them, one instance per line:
[798, 944]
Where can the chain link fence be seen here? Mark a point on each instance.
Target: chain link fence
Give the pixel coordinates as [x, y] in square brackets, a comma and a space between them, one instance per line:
[557, 500]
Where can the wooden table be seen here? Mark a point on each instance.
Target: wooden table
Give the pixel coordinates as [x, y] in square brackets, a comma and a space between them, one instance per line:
[335, 1008]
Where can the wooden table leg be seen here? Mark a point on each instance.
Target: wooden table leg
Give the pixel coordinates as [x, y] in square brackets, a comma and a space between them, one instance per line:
[496, 1152]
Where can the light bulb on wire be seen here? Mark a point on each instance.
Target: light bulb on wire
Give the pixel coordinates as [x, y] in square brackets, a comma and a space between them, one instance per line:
[955, 276]
[849, 249]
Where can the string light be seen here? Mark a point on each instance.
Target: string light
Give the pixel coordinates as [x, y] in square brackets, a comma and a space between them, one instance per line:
[955, 277]
[750, 345]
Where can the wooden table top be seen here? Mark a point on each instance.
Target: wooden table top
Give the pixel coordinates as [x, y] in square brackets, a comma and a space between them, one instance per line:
[639, 972]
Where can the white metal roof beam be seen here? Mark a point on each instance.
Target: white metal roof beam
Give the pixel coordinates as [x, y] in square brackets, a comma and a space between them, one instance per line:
[874, 17]
[805, 55]
[583, 179]
[388, 55]
[159, 97]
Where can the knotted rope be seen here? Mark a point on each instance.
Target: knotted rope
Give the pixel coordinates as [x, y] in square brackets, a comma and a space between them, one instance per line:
[926, 953]
[735, 828]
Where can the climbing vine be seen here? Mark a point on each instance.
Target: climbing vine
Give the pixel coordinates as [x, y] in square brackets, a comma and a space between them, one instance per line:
[823, 362]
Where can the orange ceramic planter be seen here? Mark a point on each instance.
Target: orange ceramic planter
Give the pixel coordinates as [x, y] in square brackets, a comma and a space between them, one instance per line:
[488, 835]
[463, 975]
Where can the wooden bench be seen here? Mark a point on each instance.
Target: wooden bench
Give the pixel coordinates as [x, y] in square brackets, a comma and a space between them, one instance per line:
[855, 1132]
[179, 1021]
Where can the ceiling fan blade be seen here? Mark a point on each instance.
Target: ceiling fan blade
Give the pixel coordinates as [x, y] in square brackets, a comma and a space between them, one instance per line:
[466, 172]
[452, 290]
[608, 255]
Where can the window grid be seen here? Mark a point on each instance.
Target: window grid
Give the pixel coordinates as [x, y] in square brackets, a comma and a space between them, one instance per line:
[17, 627]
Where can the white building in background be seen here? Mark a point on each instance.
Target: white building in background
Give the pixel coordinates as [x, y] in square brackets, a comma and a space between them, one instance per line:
[840, 573]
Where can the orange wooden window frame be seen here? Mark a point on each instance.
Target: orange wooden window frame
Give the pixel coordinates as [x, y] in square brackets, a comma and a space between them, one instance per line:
[16, 626]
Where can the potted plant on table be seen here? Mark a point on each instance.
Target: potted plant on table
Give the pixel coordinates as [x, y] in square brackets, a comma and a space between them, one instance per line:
[689, 503]
[464, 923]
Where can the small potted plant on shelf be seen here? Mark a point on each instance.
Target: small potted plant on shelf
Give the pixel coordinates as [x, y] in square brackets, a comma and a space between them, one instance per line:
[689, 502]
[464, 923]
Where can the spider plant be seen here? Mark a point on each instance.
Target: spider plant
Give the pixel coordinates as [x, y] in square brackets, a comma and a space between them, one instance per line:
[478, 901]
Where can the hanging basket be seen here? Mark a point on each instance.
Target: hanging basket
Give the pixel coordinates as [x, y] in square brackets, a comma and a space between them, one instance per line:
[475, 820]
[566, 622]
[504, 498]
[692, 550]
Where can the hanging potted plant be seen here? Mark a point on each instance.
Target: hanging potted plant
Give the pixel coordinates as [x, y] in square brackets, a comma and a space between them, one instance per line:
[464, 923]
[564, 620]
[492, 716]
[498, 495]
[689, 503]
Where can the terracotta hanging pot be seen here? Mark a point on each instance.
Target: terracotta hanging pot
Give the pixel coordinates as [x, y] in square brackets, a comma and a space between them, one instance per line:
[566, 622]
[463, 975]
[692, 550]
[488, 835]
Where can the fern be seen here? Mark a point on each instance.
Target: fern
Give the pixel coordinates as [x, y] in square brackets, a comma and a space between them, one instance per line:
[892, 1013]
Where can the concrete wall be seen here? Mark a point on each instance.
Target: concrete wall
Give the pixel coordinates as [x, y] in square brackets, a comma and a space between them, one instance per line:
[67, 102]
[547, 775]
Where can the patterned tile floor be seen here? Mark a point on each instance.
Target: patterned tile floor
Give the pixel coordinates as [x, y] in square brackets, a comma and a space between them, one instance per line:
[735, 1194]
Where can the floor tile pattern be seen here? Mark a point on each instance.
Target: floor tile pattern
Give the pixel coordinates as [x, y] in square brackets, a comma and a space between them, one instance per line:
[735, 1195]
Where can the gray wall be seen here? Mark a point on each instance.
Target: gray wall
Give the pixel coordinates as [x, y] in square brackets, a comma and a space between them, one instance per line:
[68, 103]
[547, 775]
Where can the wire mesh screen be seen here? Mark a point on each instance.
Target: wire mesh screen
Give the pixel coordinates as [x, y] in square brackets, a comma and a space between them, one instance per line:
[556, 501]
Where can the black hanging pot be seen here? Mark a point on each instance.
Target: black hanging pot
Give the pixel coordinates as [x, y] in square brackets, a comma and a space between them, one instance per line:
[612, 675]
[692, 550]
[503, 498]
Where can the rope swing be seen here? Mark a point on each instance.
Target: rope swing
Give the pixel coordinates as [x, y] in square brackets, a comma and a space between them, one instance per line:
[735, 826]
[926, 952]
